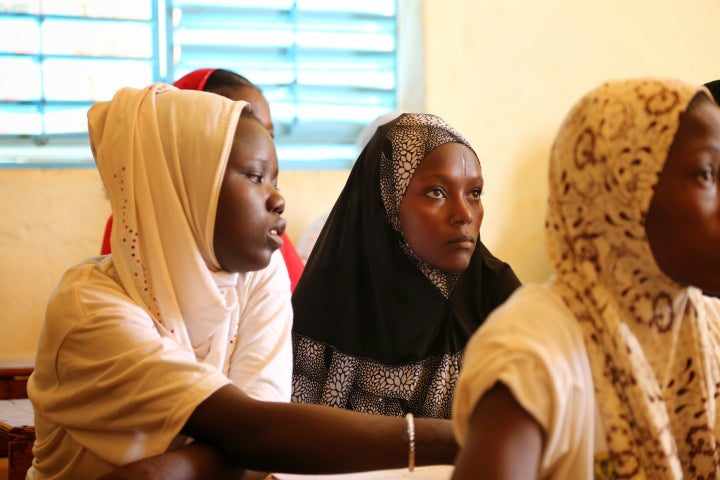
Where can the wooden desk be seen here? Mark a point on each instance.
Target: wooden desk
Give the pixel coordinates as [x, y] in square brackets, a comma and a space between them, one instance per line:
[14, 374]
[18, 431]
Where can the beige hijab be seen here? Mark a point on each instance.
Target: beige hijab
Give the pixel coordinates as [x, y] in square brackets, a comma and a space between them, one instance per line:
[653, 344]
[162, 153]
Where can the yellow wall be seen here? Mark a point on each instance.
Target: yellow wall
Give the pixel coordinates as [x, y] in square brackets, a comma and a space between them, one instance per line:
[52, 219]
[504, 72]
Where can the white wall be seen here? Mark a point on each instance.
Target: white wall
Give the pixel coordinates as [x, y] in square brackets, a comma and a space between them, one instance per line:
[504, 72]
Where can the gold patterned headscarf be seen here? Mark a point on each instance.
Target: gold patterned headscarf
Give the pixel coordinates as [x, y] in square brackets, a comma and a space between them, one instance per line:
[652, 343]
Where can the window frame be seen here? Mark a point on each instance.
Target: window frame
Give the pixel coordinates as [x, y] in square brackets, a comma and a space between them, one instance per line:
[72, 150]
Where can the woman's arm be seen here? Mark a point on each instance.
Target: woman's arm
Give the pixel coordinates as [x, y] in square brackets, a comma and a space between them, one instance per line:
[193, 462]
[304, 438]
[504, 442]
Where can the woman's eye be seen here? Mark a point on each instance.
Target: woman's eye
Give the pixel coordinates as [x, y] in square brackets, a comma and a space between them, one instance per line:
[255, 177]
[707, 176]
[476, 194]
[435, 193]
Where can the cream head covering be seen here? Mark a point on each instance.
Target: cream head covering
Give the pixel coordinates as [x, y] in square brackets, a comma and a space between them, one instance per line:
[652, 343]
[162, 153]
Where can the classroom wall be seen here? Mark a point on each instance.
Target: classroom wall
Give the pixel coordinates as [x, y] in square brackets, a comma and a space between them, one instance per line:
[504, 72]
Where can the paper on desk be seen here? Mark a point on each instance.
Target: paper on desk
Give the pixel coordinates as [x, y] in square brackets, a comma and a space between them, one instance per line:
[433, 472]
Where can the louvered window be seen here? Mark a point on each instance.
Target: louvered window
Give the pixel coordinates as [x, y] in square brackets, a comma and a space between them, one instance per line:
[327, 67]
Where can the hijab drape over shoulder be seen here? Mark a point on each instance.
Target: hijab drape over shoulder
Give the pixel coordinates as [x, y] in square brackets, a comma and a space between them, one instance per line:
[161, 153]
[652, 343]
[376, 328]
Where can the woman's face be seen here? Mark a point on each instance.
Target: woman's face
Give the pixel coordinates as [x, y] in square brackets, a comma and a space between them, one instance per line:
[248, 224]
[441, 212]
[683, 222]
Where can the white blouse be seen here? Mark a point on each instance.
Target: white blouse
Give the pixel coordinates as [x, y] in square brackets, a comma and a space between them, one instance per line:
[130, 388]
[534, 346]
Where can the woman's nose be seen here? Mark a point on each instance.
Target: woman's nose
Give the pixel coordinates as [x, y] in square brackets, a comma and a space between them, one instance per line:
[461, 212]
[276, 202]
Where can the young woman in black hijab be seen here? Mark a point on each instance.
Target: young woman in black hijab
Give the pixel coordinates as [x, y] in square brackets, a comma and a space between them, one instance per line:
[398, 279]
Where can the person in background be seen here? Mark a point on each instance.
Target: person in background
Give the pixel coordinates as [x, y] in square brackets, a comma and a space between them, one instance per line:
[618, 373]
[235, 87]
[135, 350]
[399, 279]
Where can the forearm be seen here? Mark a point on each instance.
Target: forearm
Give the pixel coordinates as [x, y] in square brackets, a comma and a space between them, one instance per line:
[329, 440]
[194, 462]
[301, 438]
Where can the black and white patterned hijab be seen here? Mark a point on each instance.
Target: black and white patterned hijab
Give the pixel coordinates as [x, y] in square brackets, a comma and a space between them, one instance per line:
[411, 138]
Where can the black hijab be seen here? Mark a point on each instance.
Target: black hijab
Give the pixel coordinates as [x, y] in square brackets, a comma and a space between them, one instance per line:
[363, 291]
[714, 88]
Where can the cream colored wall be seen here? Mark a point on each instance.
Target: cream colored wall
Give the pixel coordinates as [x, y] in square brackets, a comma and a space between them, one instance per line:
[52, 219]
[503, 72]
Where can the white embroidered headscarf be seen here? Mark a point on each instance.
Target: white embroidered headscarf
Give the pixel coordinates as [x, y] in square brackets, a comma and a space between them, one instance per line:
[162, 153]
[652, 343]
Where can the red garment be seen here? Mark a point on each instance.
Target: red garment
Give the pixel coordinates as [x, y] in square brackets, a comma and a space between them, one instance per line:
[105, 248]
[196, 80]
[293, 262]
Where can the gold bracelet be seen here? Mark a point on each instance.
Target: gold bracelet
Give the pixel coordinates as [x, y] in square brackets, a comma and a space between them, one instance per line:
[411, 441]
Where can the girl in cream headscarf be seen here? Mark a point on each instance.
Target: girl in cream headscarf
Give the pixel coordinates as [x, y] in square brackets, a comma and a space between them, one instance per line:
[611, 370]
[135, 356]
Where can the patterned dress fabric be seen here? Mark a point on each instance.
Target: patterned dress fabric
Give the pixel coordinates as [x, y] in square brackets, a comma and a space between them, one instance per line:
[377, 329]
[652, 344]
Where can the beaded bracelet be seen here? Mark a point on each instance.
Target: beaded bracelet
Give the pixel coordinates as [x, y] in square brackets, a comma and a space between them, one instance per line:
[411, 441]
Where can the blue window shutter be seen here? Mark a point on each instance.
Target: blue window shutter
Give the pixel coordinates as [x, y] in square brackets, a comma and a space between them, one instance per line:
[328, 68]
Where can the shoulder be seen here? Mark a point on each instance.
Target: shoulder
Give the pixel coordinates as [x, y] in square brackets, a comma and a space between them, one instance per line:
[88, 307]
[532, 344]
[532, 312]
[87, 304]
[87, 286]
[533, 326]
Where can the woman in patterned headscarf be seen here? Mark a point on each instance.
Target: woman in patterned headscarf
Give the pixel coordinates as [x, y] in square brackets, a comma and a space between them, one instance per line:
[399, 279]
[618, 375]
